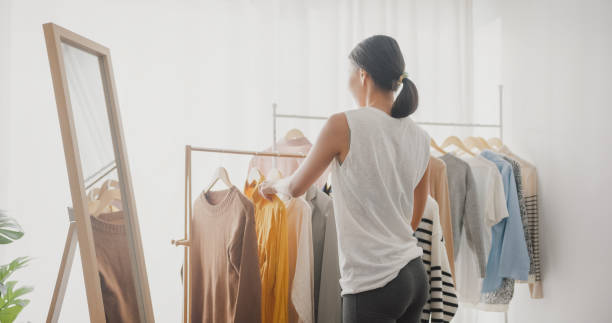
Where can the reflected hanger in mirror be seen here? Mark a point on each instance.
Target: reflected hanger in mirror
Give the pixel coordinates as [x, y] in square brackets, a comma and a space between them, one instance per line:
[107, 200]
[219, 174]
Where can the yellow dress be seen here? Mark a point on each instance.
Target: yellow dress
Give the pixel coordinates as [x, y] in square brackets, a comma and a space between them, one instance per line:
[272, 248]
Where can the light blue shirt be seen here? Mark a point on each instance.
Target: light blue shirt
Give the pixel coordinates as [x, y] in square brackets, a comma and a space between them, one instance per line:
[508, 257]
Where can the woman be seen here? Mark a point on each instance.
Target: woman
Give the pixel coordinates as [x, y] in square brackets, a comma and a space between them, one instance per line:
[380, 185]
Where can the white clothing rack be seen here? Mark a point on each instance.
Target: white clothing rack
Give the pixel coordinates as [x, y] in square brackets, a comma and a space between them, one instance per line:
[499, 125]
[186, 242]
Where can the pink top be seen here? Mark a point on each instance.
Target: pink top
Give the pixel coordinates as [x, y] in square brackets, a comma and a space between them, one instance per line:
[286, 165]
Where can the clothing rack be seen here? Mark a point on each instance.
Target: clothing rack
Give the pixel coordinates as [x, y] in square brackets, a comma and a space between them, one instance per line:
[186, 242]
[500, 126]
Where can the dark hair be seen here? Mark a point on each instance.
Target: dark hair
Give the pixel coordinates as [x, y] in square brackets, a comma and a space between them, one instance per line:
[382, 58]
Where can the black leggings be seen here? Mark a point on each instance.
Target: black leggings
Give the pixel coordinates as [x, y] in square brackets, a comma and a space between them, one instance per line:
[400, 300]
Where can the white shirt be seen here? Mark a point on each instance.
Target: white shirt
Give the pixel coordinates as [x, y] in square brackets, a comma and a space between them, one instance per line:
[490, 191]
[373, 192]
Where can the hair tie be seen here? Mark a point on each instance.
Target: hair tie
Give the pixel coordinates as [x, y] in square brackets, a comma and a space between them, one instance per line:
[402, 77]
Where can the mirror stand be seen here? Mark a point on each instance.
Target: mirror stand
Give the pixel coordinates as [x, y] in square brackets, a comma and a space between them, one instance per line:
[64, 270]
[103, 219]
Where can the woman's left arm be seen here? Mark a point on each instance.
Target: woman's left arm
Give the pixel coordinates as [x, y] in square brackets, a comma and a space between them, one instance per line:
[333, 141]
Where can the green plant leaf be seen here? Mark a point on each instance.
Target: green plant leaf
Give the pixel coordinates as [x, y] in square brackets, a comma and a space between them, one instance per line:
[9, 314]
[10, 230]
[8, 270]
[22, 291]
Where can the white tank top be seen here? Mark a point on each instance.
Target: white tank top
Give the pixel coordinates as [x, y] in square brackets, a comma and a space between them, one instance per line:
[373, 193]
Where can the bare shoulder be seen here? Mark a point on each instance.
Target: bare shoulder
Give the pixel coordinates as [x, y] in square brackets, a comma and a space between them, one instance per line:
[338, 124]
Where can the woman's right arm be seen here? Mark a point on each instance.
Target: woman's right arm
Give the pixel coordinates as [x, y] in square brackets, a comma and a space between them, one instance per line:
[421, 192]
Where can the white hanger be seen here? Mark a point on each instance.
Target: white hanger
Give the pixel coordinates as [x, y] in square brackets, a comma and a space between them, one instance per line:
[254, 175]
[219, 174]
[274, 174]
[294, 134]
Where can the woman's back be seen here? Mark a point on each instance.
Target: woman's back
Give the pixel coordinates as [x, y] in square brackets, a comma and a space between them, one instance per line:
[373, 197]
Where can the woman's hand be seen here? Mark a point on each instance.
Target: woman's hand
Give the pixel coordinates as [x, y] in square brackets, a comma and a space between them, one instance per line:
[267, 189]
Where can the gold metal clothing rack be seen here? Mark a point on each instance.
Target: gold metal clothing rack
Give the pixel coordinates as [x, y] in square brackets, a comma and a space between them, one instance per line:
[186, 242]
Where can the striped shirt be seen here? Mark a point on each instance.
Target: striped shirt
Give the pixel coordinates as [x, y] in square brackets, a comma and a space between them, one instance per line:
[442, 303]
[529, 177]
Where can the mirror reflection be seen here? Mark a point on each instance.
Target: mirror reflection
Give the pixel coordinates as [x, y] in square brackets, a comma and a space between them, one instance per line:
[102, 183]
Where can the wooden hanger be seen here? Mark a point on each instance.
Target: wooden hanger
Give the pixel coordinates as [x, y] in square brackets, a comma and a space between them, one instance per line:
[294, 134]
[484, 143]
[94, 195]
[473, 142]
[106, 200]
[435, 146]
[454, 140]
[219, 174]
[496, 142]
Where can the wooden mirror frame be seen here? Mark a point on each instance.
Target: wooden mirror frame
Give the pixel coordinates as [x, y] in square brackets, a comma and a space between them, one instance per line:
[54, 36]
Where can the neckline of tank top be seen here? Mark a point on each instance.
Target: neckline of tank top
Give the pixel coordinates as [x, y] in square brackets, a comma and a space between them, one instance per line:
[379, 111]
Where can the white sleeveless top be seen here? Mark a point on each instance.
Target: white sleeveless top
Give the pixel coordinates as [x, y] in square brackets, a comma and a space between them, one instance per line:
[373, 193]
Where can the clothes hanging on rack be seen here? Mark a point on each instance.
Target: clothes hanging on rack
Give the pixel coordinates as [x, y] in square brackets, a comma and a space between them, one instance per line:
[466, 211]
[529, 179]
[272, 240]
[320, 210]
[299, 223]
[225, 278]
[287, 166]
[508, 257]
[499, 299]
[492, 200]
[516, 168]
[442, 303]
[438, 189]
[114, 266]
[327, 302]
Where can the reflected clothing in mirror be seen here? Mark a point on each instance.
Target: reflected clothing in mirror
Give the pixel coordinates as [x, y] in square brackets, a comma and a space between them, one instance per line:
[225, 282]
[114, 266]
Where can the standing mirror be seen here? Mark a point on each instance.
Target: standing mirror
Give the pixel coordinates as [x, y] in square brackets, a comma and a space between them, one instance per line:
[103, 212]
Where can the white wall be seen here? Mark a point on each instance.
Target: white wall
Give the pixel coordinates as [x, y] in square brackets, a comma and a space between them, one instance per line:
[5, 19]
[557, 71]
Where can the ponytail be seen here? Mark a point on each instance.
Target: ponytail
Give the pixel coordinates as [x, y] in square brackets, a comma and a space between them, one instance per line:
[406, 101]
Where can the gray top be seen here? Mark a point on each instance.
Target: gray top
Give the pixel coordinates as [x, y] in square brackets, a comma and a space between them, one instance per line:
[327, 299]
[466, 211]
